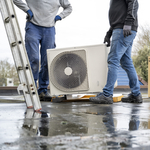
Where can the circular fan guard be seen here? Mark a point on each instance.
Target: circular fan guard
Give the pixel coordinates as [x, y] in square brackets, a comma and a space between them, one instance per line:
[77, 71]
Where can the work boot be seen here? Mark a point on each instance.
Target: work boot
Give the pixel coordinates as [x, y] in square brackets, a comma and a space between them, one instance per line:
[101, 99]
[45, 96]
[132, 99]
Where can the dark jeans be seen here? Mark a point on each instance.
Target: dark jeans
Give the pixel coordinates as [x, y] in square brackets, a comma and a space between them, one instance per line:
[37, 40]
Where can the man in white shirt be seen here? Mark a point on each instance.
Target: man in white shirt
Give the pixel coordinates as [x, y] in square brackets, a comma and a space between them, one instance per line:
[40, 30]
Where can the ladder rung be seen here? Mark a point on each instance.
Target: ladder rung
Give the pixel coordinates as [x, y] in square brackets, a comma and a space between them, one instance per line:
[20, 68]
[7, 20]
[29, 93]
[13, 44]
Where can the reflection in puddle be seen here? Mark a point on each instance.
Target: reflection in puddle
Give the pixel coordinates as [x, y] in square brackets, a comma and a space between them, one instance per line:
[81, 126]
[36, 122]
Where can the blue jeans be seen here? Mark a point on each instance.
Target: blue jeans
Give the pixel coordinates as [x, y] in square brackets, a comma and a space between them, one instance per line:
[120, 53]
[45, 38]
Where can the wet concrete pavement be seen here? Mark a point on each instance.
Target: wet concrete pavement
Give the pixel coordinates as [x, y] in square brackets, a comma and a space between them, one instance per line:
[78, 125]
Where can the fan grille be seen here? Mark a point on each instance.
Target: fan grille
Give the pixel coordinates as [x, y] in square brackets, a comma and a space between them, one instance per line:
[68, 71]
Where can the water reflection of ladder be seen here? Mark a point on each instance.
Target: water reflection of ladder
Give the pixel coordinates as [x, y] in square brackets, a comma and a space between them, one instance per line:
[19, 54]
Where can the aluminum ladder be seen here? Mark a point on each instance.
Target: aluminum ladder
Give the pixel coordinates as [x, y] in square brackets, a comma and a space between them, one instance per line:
[27, 84]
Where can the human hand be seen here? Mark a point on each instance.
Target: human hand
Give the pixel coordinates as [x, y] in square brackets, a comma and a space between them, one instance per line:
[29, 15]
[127, 30]
[107, 40]
[108, 36]
[57, 18]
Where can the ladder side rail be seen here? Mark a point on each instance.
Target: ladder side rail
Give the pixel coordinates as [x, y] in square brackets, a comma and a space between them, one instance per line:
[14, 50]
[20, 55]
[24, 58]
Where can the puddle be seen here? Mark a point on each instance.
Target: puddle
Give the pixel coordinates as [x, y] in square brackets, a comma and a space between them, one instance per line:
[75, 126]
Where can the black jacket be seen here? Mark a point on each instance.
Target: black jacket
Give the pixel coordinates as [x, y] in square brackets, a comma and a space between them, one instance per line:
[123, 12]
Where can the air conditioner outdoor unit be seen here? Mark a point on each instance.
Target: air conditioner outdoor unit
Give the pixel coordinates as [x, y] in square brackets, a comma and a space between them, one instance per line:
[77, 70]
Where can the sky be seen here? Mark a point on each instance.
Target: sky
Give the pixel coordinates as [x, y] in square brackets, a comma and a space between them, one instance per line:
[86, 25]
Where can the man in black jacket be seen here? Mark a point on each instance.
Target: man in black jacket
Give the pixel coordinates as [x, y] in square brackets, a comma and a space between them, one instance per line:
[123, 28]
